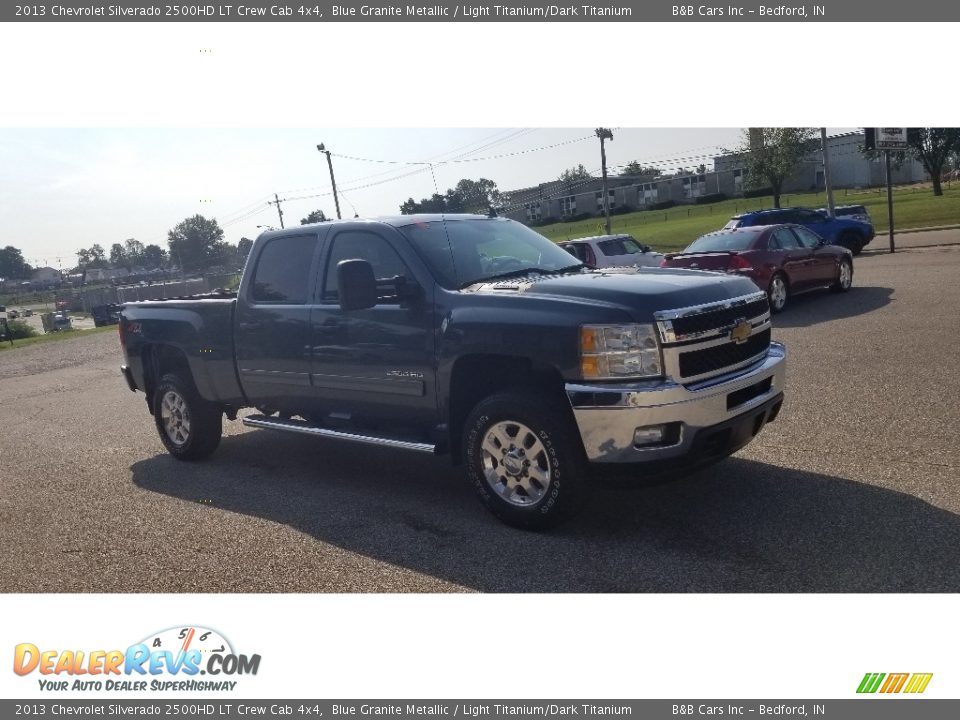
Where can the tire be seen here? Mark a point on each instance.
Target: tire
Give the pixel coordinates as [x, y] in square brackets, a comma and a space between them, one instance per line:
[852, 242]
[778, 293]
[844, 276]
[505, 437]
[189, 426]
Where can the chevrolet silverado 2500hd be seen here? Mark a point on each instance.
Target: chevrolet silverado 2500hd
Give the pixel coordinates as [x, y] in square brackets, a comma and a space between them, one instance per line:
[470, 336]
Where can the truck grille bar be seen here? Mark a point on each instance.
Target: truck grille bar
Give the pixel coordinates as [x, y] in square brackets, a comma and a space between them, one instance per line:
[704, 341]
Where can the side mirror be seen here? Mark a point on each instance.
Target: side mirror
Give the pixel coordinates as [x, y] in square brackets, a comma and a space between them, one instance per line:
[356, 285]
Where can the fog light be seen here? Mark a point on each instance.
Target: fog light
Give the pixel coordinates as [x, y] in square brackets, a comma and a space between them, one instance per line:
[649, 435]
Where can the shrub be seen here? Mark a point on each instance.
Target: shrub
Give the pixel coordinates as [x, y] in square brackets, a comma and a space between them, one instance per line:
[662, 205]
[759, 192]
[711, 198]
[20, 330]
[576, 218]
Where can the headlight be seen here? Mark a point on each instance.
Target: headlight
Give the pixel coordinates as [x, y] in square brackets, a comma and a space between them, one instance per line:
[619, 351]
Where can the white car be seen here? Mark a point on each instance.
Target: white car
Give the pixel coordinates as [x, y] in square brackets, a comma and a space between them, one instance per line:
[607, 251]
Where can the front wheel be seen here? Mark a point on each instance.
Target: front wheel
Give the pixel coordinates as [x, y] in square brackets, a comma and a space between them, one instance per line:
[189, 426]
[525, 460]
[778, 293]
[844, 276]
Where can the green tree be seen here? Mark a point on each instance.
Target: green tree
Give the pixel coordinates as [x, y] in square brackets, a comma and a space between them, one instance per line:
[773, 154]
[634, 168]
[244, 247]
[12, 264]
[133, 250]
[475, 196]
[932, 147]
[118, 256]
[574, 174]
[92, 257]
[315, 216]
[196, 243]
[153, 257]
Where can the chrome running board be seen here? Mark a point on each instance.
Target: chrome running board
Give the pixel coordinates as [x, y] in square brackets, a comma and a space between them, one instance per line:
[263, 421]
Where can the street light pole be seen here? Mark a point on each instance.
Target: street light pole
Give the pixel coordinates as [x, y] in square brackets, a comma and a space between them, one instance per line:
[333, 181]
[605, 134]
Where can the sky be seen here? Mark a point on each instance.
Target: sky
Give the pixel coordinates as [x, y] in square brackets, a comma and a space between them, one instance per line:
[65, 189]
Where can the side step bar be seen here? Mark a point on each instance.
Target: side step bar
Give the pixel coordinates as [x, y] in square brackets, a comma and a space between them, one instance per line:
[263, 421]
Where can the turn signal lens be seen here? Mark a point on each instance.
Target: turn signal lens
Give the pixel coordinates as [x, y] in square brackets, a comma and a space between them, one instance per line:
[619, 351]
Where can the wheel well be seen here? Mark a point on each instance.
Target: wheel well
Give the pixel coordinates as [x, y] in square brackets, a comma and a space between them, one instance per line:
[158, 360]
[477, 376]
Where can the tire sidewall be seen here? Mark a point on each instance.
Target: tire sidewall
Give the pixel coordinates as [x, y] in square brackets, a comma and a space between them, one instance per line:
[201, 420]
[564, 494]
[786, 289]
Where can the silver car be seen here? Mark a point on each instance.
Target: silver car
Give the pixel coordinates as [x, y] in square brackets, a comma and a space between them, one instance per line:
[607, 251]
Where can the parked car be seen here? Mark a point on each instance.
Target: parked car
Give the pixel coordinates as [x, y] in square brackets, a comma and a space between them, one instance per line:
[851, 234]
[12, 314]
[604, 251]
[27, 312]
[60, 321]
[850, 212]
[783, 260]
[468, 336]
[105, 314]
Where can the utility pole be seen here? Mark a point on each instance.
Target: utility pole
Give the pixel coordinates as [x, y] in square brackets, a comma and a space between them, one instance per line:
[605, 134]
[279, 210]
[831, 208]
[333, 180]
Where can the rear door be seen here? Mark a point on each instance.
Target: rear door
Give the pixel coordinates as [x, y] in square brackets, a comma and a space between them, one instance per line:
[376, 365]
[272, 331]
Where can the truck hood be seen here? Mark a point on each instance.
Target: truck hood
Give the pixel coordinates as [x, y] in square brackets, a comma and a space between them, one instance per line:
[641, 291]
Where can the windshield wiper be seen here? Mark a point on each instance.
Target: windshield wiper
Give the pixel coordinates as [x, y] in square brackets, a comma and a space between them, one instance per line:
[522, 272]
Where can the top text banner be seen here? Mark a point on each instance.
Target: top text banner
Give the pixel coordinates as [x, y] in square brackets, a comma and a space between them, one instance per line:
[629, 11]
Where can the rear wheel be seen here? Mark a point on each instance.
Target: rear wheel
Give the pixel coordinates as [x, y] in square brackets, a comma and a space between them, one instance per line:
[189, 426]
[778, 292]
[525, 460]
[852, 242]
[844, 276]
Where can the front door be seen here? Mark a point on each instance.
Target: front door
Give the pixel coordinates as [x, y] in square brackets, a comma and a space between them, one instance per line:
[374, 367]
[823, 261]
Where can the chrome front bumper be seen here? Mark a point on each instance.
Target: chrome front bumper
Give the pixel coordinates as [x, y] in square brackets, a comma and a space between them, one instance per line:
[608, 416]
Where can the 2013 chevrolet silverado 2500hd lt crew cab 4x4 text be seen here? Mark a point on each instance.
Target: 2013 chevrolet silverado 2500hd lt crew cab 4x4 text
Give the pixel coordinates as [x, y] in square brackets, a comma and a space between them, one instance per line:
[471, 336]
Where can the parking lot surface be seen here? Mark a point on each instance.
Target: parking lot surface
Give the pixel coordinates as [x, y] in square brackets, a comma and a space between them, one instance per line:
[855, 487]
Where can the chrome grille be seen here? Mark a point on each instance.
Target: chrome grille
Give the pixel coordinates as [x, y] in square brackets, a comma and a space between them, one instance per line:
[698, 341]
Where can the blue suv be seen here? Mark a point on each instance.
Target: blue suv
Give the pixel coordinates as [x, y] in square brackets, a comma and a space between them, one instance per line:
[851, 234]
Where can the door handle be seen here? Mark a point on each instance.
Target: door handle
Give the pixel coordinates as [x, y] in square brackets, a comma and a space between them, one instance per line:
[249, 325]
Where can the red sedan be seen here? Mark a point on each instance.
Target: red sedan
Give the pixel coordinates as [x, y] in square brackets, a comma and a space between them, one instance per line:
[782, 259]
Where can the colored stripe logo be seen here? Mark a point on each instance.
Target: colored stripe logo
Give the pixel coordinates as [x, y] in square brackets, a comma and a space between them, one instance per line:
[912, 683]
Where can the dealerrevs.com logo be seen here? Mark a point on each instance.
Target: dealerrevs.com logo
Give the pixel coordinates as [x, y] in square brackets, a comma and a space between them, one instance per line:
[910, 683]
[172, 659]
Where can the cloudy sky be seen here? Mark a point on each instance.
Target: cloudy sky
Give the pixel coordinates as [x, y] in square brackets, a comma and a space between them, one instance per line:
[62, 189]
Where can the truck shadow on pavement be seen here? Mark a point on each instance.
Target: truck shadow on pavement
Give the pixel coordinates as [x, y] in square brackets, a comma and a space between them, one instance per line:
[740, 526]
[821, 306]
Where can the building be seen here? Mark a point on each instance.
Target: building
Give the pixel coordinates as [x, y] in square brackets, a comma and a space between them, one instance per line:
[556, 200]
[45, 277]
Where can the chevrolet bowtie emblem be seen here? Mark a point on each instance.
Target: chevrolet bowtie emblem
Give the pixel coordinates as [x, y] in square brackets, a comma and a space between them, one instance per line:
[741, 331]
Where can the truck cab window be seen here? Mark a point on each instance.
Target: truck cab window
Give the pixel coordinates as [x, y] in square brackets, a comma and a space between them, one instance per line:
[283, 270]
[361, 245]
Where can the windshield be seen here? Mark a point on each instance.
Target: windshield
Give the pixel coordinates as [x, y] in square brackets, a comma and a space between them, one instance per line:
[732, 224]
[724, 241]
[463, 252]
[620, 246]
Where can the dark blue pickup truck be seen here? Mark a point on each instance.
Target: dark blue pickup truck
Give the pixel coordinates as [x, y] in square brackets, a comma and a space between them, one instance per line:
[470, 336]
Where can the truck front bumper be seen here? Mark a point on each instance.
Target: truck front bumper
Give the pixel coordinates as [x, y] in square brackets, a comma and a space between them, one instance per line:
[700, 423]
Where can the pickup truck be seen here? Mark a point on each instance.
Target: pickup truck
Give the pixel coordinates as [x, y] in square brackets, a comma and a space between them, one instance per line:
[469, 336]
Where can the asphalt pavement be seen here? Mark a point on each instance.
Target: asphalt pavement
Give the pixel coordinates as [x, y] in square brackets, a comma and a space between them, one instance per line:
[855, 487]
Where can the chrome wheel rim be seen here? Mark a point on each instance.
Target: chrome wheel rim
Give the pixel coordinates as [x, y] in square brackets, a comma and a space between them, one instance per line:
[846, 276]
[778, 293]
[515, 463]
[175, 416]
